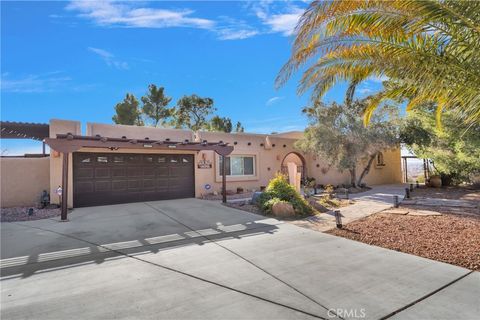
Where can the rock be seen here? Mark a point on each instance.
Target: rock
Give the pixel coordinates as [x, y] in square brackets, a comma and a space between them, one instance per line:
[256, 197]
[396, 211]
[283, 209]
[435, 181]
[424, 213]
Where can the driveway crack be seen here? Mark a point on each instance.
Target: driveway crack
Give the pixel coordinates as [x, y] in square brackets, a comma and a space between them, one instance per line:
[246, 260]
[426, 296]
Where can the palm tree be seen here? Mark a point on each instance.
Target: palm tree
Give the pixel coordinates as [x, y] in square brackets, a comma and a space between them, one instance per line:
[429, 51]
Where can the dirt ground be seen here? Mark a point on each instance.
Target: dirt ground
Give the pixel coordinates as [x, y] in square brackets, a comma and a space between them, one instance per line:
[460, 193]
[449, 238]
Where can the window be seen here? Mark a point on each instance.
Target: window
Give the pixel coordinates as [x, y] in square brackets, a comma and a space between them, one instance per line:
[102, 159]
[238, 166]
[380, 161]
[118, 159]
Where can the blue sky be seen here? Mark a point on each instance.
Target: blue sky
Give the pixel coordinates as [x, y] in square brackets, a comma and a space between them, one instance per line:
[76, 60]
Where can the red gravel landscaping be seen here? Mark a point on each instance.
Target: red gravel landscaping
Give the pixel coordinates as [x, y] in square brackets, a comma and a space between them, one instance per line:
[21, 214]
[449, 238]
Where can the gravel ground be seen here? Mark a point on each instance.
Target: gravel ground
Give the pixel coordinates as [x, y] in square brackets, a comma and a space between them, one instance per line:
[229, 196]
[245, 207]
[458, 193]
[449, 238]
[21, 214]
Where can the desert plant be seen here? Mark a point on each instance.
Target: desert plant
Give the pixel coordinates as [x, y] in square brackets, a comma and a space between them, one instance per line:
[268, 205]
[329, 189]
[328, 202]
[279, 189]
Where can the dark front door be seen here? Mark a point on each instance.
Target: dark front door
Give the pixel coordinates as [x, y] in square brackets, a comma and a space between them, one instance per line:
[109, 178]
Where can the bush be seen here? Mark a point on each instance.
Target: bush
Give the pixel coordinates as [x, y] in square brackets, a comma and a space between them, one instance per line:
[268, 205]
[279, 189]
[329, 190]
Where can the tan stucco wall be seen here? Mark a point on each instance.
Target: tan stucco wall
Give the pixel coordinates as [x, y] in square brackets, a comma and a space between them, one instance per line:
[23, 180]
[61, 127]
[268, 156]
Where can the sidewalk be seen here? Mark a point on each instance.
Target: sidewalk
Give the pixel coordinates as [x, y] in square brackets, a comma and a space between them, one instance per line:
[366, 203]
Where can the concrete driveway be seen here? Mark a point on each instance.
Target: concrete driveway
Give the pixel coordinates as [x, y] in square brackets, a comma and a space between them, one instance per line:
[191, 258]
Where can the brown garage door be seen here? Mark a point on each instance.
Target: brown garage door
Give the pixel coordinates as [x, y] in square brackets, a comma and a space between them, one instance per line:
[107, 178]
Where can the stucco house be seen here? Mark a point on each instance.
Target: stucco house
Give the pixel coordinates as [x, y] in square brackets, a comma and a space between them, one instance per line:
[110, 164]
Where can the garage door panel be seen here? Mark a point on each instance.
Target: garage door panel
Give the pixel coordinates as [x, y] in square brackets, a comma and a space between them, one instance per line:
[162, 172]
[149, 171]
[84, 186]
[118, 172]
[134, 184]
[103, 186]
[134, 172]
[149, 184]
[102, 172]
[101, 178]
[84, 173]
[119, 185]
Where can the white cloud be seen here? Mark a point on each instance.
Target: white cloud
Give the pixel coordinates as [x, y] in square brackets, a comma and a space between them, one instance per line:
[235, 34]
[109, 13]
[34, 83]
[379, 79]
[364, 90]
[284, 23]
[273, 100]
[283, 20]
[109, 58]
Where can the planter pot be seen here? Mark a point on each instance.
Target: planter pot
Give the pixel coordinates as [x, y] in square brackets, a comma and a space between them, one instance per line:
[435, 181]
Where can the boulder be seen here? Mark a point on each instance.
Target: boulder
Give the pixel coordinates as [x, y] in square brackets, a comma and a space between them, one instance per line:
[435, 181]
[283, 209]
[256, 196]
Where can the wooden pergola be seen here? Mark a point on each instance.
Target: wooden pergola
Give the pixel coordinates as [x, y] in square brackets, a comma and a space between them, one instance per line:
[24, 130]
[68, 143]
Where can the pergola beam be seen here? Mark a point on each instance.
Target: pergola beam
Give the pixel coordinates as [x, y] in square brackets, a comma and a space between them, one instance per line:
[68, 143]
[24, 130]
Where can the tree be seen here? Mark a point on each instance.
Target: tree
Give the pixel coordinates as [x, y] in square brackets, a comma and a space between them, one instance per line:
[155, 104]
[220, 124]
[192, 112]
[455, 150]
[127, 111]
[337, 132]
[239, 127]
[428, 49]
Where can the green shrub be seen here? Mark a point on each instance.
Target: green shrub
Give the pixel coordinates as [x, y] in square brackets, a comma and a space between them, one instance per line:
[328, 202]
[279, 189]
[329, 190]
[267, 206]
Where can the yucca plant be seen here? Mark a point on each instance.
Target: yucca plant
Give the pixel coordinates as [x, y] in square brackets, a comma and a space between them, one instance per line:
[429, 51]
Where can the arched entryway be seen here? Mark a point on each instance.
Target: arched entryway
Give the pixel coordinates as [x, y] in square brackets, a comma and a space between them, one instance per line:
[299, 160]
